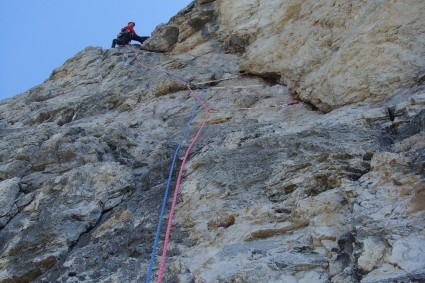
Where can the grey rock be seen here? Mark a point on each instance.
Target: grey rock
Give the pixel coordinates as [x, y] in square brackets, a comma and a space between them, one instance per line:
[204, 1]
[329, 188]
[166, 37]
[9, 190]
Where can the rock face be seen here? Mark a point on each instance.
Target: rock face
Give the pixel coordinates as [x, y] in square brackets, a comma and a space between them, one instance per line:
[329, 53]
[310, 167]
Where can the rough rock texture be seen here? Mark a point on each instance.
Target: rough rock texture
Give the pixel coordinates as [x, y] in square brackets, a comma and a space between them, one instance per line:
[327, 190]
[330, 53]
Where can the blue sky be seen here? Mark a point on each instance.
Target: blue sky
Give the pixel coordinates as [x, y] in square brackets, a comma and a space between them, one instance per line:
[38, 36]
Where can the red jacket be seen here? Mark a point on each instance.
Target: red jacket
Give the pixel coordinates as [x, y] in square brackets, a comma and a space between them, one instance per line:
[130, 29]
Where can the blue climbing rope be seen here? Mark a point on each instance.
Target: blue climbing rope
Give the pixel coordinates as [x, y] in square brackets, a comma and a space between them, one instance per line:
[176, 152]
[161, 215]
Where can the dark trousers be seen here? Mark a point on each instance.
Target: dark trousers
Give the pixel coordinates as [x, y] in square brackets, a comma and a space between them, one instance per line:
[125, 41]
[119, 41]
[140, 39]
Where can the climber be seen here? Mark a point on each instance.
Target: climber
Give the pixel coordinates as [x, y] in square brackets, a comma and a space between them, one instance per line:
[128, 34]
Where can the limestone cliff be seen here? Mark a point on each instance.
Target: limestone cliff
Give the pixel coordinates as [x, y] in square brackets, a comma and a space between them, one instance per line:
[310, 167]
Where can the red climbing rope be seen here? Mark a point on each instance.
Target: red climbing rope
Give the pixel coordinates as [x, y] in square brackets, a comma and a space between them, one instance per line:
[176, 192]
[192, 143]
